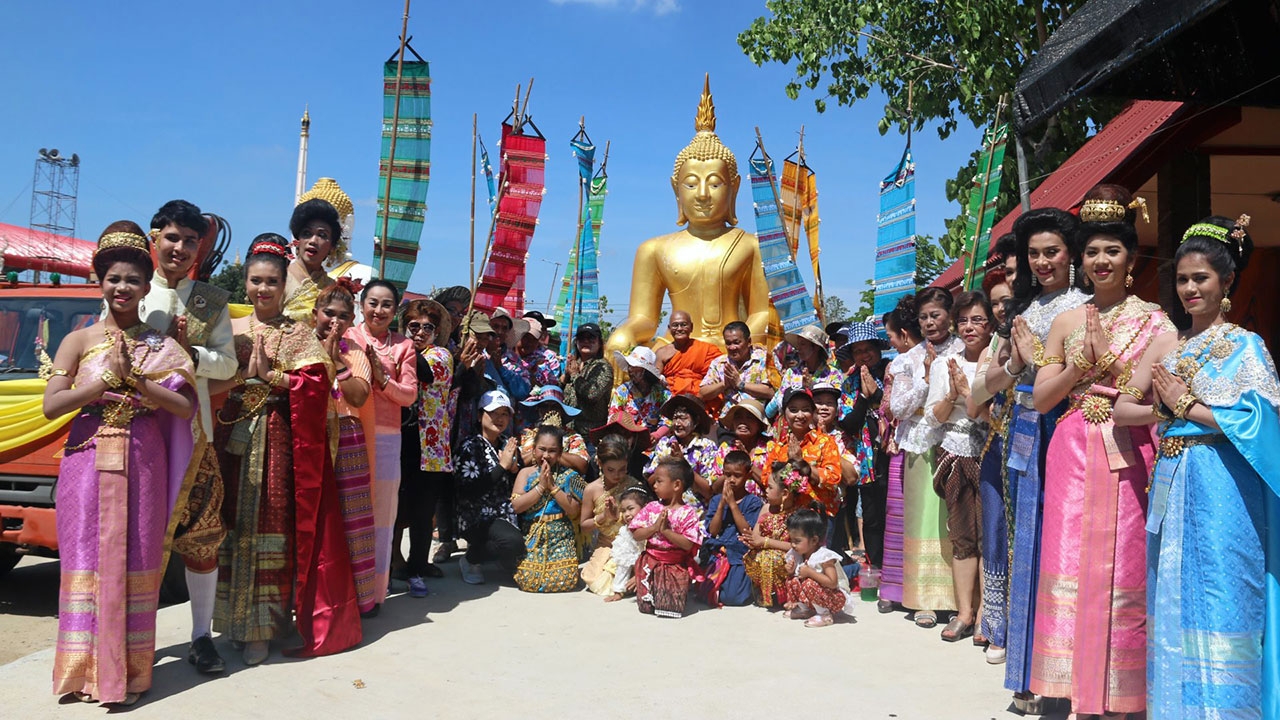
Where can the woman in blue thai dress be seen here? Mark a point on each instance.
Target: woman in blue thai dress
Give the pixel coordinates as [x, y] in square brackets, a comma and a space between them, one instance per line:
[548, 499]
[1044, 287]
[1213, 530]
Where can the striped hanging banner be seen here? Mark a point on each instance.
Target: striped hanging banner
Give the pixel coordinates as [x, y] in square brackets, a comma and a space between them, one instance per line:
[799, 195]
[896, 237]
[582, 268]
[524, 162]
[786, 288]
[488, 173]
[981, 214]
[410, 173]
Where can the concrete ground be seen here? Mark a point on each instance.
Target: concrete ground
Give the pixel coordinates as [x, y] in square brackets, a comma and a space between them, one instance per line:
[492, 651]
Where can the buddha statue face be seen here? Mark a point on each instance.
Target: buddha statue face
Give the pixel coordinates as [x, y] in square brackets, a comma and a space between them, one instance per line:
[706, 193]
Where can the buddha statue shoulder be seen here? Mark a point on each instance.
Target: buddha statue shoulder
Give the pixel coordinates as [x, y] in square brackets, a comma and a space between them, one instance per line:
[710, 268]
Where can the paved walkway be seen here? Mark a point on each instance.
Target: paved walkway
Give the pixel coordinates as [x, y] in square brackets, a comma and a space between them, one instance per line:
[492, 651]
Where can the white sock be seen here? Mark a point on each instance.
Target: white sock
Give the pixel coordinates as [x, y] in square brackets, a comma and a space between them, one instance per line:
[202, 587]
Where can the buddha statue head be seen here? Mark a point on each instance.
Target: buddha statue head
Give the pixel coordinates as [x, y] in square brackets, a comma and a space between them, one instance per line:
[705, 177]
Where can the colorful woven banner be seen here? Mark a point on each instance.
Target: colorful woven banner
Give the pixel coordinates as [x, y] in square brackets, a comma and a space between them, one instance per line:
[786, 288]
[488, 173]
[896, 237]
[584, 274]
[980, 216]
[410, 172]
[524, 162]
[799, 196]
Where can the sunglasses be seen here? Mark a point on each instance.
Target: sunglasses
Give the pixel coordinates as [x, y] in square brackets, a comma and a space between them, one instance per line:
[414, 328]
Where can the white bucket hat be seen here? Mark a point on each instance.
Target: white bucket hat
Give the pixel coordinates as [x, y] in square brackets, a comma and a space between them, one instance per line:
[640, 357]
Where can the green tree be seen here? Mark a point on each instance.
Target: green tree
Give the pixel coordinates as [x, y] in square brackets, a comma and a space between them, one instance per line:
[231, 279]
[835, 309]
[866, 302]
[935, 62]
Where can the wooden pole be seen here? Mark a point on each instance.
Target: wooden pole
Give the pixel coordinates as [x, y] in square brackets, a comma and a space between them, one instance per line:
[773, 186]
[474, 134]
[391, 156]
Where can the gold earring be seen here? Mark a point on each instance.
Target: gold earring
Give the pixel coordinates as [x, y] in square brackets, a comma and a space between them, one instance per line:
[1128, 280]
[1226, 305]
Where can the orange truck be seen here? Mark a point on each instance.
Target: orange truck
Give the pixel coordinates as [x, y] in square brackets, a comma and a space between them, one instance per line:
[33, 317]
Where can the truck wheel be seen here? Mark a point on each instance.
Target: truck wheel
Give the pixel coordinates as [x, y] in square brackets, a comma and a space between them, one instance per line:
[9, 557]
[173, 586]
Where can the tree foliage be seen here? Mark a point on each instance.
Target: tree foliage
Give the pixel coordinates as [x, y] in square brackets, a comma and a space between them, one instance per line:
[231, 278]
[834, 309]
[949, 62]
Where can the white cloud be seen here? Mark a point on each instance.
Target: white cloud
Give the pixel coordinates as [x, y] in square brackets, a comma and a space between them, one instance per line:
[657, 7]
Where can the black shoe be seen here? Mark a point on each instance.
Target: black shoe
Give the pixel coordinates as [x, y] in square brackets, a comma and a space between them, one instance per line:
[205, 656]
[371, 612]
[432, 571]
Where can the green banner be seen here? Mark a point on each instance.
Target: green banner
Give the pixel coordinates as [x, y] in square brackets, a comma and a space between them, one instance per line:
[980, 217]
[410, 172]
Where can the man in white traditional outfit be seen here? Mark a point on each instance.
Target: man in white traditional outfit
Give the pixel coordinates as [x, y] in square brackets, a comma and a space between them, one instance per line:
[196, 315]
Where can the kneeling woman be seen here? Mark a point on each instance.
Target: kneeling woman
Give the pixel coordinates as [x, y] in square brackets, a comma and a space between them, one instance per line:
[286, 552]
[547, 496]
[126, 455]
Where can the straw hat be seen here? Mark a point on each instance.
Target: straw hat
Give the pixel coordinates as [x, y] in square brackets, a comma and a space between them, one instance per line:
[618, 419]
[748, 405]
[810, 334]
[701, 420]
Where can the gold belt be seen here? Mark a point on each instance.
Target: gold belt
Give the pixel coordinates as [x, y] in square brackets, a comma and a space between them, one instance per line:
[1173, 446]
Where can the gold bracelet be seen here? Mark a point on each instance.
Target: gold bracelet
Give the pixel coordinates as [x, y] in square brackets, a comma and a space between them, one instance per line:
[1133, 392]
[58, 372]
[1106, 361]
[1081, 362]
[111, 379]
[1183, 406]
[239, 379]
[1051, 360]
[132, 381]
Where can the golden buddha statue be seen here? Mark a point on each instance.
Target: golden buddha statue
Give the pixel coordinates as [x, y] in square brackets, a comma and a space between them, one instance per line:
[711, 269]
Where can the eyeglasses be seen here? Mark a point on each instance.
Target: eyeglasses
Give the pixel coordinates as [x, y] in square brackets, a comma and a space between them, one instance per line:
[414, 328]
[978, 320]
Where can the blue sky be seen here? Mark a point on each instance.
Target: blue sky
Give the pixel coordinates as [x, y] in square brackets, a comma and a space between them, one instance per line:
[202, 101]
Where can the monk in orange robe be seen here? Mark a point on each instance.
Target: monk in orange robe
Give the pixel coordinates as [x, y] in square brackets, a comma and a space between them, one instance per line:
[686, 360]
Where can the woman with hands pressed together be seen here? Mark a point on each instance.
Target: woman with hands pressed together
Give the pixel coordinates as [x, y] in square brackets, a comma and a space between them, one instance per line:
[1213, 543]
[485, 467]
[1090, 625]
[127, 451]
[393, 362]
[287, 548]
[902, 325]
[548, 497]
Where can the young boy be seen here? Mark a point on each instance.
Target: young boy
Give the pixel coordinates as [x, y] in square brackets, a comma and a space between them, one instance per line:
[731, 516]
[196, 315]
[673, 533]
[601, 513]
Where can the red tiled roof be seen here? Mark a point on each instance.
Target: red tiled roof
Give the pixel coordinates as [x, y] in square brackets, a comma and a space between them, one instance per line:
[1093, 163]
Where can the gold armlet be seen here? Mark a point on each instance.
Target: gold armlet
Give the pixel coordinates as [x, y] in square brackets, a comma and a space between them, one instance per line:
[1051, 360]
[1133, 392]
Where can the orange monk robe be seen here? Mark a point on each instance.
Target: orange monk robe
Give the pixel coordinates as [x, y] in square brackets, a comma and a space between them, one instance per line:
[685, 369]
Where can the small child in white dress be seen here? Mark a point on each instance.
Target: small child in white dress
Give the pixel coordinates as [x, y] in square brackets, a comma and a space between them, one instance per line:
[818, 587]
[626, 551]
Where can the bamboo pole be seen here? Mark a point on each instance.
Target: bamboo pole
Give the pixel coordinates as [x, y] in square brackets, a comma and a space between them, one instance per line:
[971, 262]
[773, 186]
[475, 131]
[391, 156]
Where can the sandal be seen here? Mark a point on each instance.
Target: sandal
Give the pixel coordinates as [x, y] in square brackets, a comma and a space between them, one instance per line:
[926, 619]
[959, 630]
[884, 606]
[819, 620]
[799, 613]
[980, 640]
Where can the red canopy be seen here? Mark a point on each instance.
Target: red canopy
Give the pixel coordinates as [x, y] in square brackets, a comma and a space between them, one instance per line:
[27, 249]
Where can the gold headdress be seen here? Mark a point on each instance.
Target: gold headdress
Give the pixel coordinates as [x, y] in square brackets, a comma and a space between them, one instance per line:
[327, 189]
[122, 240]
[1111, 210]
[706, 144]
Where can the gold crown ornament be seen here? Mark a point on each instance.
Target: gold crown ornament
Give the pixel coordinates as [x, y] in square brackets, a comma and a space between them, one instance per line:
[1111, 210]
[327, 189]
[122, 240]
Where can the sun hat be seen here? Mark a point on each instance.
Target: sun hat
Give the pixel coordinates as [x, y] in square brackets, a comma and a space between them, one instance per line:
[862, 332]
[428, 307]
[702, 421]
[620, 419]
[810, 334]
[549, 394]
[748, 405]
[640, 357]
[493, 400]
[827, 387]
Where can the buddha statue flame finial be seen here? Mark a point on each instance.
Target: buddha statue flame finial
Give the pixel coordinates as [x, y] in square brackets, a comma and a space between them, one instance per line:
[706, 144]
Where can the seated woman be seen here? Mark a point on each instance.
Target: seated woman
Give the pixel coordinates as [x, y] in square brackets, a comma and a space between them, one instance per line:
[745, 419]
[799, 440]
[766, 562]
[602, 515]
[644, 392]
[730, 518]
[484, 470]
[127, 452]
[689, 423]
[548, 499]
[549, 408]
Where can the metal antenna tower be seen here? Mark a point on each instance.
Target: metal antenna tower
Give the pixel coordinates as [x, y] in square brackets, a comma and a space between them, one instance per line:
[53, 195]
